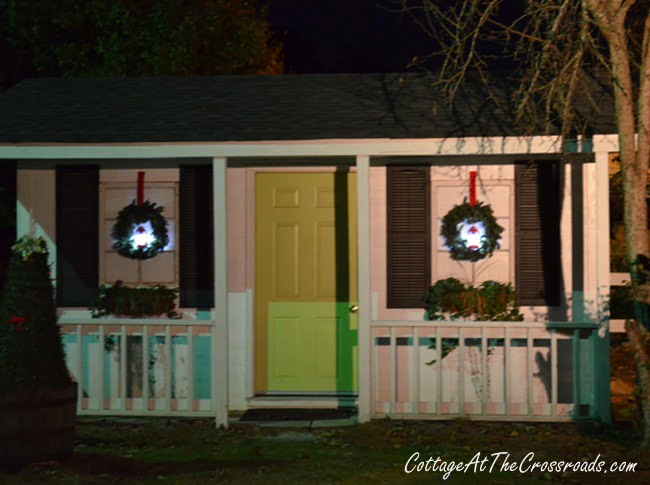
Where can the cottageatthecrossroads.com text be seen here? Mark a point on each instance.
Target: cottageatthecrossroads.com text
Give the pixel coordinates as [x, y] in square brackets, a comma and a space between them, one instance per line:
[501, 462]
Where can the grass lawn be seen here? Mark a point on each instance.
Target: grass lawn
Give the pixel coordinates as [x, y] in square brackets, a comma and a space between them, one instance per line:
[192, 451]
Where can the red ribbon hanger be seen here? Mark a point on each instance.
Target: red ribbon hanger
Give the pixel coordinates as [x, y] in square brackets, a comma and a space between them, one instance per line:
[140, 188]
[472, 188]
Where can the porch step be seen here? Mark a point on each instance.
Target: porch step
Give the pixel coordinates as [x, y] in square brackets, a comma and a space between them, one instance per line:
[296, 414]
[302, 402]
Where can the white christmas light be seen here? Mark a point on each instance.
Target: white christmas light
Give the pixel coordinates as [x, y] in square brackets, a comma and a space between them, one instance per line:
[472, 234]
[142, 236]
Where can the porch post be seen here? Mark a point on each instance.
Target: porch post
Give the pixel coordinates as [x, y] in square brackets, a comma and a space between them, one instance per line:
[601, 339]
[220, 323]
[364, 338]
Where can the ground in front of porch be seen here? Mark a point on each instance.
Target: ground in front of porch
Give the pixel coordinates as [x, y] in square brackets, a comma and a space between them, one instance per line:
[182, 451]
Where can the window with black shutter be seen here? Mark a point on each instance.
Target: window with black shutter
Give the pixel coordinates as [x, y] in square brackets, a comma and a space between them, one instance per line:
[537, 233]
[77, 235]
[409, 235]
[196, 246]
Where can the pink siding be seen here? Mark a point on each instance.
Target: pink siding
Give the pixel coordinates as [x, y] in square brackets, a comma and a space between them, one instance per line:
[236, 206]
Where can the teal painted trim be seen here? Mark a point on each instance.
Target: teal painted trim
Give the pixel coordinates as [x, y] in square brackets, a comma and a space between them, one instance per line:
[602, 372]
[587, 145]
[107, 365]
[177, 341]
[571, 146]
[578, 308]
[203, 315]
[587, 366]
[202, 367]
[575, 340]
[68, 339]
[86, 341]
[155, 341]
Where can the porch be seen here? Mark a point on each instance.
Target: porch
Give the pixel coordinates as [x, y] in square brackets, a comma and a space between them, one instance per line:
[537, 370]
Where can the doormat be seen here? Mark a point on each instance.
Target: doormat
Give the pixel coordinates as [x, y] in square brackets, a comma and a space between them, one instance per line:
[277, 414]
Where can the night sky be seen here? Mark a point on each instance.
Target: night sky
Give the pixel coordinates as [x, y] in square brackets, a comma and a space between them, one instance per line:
[345, 35]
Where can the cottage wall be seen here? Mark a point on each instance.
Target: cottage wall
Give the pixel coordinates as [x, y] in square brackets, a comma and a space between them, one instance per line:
[449, 185]
[36, 206]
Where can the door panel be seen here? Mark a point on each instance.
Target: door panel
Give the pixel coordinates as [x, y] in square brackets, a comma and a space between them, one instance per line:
[305, 282]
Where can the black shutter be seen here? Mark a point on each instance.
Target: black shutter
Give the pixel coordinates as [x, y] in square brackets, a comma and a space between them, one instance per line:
[409, 236]
[196, 245]
[537, 224]
[77, 235]
[7, 215]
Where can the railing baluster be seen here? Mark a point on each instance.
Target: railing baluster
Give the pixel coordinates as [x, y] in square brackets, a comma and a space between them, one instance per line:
[393, 371]
[484, 372]
[415, 380]
[529, 370]
[145, 368]
[375, 370]
[80, 368]
[168, 368]
[461, 370]
[506, 372]
[190, 368]
[100, 345]
[576, 373]
[123, 351]
[439, 363]
[553, 356]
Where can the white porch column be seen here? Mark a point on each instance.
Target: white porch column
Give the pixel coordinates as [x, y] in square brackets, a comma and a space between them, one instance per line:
[602, 340]
[220, 331]
[602, 232]
[364, 337]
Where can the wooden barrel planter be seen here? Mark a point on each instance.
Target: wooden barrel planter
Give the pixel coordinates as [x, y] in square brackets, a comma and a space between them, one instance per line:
[36, 425]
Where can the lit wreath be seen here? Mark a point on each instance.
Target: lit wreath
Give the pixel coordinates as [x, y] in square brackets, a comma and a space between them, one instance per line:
[471, 232]
[140, 231]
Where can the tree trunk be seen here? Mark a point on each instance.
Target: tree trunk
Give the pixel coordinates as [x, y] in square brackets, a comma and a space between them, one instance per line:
[634, 154]
[639, 340]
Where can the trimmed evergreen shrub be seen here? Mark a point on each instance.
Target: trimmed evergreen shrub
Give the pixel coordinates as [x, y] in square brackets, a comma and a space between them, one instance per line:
[31, 351]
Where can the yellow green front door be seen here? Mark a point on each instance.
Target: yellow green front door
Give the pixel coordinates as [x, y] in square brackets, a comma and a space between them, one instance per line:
[305, 283]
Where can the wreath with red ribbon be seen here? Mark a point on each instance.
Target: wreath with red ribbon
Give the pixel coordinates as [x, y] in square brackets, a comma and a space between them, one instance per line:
[135, 219]
[470, 215]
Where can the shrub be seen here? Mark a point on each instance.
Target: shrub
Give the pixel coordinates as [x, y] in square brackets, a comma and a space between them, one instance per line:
[31, 352]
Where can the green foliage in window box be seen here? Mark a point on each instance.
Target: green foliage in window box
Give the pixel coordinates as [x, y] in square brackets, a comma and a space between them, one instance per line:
[123, 301]
[31, 351]
[449, 299]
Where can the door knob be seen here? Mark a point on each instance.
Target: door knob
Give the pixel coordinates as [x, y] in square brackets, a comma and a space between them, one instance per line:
[354, 309]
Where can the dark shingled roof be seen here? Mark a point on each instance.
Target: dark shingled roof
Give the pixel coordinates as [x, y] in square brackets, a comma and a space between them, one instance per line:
[247, 108]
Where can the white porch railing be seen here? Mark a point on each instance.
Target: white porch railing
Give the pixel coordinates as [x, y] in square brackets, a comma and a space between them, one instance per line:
[483, 370]
[157, 367]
